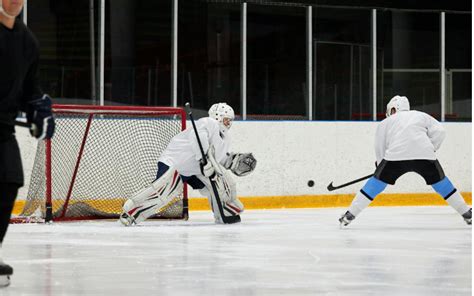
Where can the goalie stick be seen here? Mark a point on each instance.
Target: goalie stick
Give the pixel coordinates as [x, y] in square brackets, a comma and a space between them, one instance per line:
[331, 187]
[225, 219]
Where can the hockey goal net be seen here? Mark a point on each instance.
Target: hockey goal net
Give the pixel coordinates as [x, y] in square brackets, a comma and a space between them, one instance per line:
[98, 157]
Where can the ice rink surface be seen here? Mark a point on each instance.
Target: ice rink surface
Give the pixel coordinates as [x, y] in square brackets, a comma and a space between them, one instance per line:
[386, 251]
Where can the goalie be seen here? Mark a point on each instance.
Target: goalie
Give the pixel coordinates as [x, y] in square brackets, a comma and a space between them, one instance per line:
[182, 161]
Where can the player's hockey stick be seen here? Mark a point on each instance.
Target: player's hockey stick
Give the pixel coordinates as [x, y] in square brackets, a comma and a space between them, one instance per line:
[225, 219]
[32, 127]
[17, 122]
[23, 124]
[331, 187]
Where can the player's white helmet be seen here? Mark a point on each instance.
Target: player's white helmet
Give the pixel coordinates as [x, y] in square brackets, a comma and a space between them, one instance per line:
[224, 114]
[400, 103]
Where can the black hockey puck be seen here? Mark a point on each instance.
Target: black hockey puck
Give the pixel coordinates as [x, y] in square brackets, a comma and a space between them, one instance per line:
[310, 183]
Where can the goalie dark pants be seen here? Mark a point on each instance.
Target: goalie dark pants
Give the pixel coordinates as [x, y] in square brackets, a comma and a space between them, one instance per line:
[192, 181]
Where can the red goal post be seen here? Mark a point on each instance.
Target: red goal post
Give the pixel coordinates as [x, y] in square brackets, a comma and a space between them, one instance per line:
[98, 157]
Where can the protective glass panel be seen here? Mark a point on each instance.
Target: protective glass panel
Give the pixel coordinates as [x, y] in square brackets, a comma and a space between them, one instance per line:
[342, 66]
[138, 52]
[68, 48]
[209, 54]
[276, 62]
[458, 67]
[409, 57]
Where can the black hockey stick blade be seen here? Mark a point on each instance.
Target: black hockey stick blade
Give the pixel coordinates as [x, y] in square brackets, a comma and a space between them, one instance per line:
[332, 187]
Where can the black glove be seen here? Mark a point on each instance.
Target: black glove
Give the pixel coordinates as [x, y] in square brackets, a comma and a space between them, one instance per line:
[40, 116]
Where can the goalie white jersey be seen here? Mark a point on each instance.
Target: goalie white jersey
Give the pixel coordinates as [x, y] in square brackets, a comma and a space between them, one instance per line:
[183, 151]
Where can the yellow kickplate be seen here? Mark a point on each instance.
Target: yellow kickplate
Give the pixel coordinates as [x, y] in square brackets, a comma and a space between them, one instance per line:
[310, 201]
[326, 201]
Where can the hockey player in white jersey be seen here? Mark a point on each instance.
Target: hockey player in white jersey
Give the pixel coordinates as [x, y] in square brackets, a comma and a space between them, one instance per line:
[406, 141]
[182, 162]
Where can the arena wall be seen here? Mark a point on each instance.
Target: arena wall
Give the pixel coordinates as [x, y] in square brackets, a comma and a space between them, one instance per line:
[290, 153]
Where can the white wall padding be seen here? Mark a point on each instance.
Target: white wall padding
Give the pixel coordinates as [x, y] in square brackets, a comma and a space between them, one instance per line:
[291, 153]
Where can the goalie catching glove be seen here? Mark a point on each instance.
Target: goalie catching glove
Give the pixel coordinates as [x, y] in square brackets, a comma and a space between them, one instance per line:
[241, 164]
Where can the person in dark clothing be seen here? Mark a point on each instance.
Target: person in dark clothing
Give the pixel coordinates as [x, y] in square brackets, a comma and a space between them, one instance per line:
[19, 91]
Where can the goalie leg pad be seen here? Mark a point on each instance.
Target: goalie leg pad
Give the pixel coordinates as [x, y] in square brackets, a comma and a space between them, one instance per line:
[226, 187]
[226, 195]
[221, 189]
[138, 214]
[234, 207]
[150, 200]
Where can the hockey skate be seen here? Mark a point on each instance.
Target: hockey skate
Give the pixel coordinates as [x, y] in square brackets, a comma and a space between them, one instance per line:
[5, 272]
[468, 217]
[126, 219]
[346, 219]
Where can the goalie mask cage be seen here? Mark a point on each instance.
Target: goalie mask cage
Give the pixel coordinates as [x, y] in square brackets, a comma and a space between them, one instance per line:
[100, 156]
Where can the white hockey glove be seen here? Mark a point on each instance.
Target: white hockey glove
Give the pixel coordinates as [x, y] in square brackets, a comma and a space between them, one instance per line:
[207, 169]
[241, 164]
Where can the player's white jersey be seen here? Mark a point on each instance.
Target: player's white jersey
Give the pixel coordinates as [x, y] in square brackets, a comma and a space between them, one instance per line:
[183, 151]
[408, 135]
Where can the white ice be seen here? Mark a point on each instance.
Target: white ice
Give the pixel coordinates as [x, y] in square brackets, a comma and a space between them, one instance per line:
[386, 251]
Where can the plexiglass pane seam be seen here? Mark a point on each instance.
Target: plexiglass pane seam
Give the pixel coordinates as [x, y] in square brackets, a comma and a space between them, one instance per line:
[138, 52]
[458, 67]
[67, 47]
[276, 62]
[138, 56]
[342, 64]
[410, 59]
[208, 54]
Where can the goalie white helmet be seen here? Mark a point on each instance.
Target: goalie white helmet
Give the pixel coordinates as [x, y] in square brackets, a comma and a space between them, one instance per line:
[399, 103]
[224, 114]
